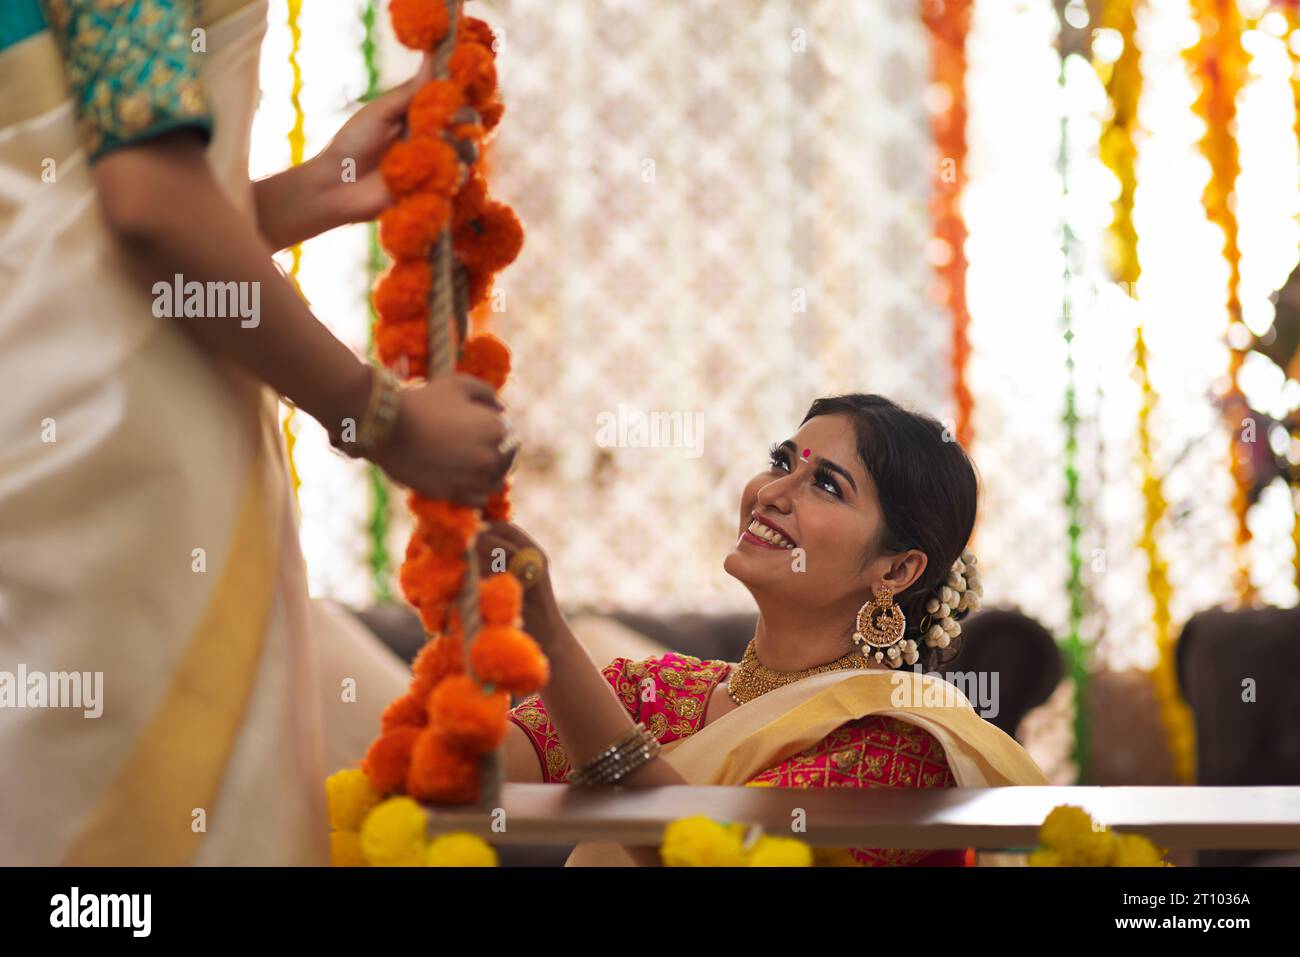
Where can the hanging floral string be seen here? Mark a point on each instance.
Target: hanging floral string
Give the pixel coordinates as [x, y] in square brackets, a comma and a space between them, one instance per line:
[948, 23]
[1291, 9]
[1219, 62]
[379, 558]
[1078, 655]
[447, 238]
[297, 146]
[1123, 81]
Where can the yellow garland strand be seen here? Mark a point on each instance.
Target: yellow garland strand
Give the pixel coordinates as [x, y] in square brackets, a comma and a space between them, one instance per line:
[1219, 61]
[297, 145]
[1175, 716]
[1123, 80]
[1293, 39]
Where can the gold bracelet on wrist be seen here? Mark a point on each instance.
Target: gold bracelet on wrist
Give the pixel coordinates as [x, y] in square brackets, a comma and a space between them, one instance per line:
[379, 419]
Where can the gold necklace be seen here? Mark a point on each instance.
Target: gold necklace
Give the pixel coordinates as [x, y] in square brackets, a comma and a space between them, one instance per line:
[752, 678]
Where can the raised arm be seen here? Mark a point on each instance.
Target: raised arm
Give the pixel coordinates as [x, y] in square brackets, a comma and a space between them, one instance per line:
[144, 118]
[342, 183]
[580, 701]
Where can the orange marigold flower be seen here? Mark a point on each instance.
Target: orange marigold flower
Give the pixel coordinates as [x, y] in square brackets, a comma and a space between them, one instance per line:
[470, 199]
[434, 614]
[441, 772]
[441, 657]
[421, 162]
[480, 287]
[445, 527]
[408, 709]
[500, 599]
[507, 658]
[432, 108]
[491, 240]
[486, 356]
[402, 292]
[491, 112]
[476, 30]
[470, 717]
[388, 758]
[408, 229]
[472, 66]
[419, 24]
[498, 508]
[427, 578]
[395, 341]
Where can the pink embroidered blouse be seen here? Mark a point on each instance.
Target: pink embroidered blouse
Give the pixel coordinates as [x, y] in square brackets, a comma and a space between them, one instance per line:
[870, 752]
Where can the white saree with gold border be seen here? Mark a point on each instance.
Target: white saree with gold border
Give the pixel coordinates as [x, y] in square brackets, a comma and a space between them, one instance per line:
[147, 527]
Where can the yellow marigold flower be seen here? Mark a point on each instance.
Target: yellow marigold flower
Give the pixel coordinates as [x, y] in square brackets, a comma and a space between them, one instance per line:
[350, 798]
[1069, 831]
[1063, 823]
[1134, 850]
[1044, 857]
[700, 842]
[780, 852]
[460, 850]
[345, 849]
[393, 834]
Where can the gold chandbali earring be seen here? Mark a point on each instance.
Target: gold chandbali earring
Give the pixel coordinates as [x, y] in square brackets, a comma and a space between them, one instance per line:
[880, 627]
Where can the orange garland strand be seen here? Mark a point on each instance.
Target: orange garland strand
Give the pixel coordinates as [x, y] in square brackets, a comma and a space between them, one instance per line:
[948, 23]
[455, 710]
[1220, 61]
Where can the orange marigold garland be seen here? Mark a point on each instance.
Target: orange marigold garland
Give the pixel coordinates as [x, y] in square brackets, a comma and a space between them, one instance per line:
[433, 737]
[1221, 65]
[948, 23]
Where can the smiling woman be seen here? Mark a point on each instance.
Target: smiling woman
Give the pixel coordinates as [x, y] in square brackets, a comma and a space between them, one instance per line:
[866, 503]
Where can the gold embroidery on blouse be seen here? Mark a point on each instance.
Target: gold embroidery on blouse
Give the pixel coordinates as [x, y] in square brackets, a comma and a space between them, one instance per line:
[130, 67]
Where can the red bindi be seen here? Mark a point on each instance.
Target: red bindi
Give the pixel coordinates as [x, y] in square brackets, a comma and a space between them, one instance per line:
[807, 452]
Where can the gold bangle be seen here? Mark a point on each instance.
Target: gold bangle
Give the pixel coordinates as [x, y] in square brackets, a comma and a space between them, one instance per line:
[379, 419]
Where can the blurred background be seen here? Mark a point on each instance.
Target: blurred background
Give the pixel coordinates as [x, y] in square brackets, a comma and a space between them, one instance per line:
[1063, 228]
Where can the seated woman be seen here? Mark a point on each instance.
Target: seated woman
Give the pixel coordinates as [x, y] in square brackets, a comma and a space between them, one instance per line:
[852, 545]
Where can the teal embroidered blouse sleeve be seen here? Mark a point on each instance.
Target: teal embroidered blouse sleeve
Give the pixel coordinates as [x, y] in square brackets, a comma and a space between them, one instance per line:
[132, 69]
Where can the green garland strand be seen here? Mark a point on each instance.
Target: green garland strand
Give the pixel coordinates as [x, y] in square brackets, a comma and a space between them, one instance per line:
[380, 559]
[1076, 653]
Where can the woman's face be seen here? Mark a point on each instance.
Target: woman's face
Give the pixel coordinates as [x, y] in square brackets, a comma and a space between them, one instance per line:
[819, 499]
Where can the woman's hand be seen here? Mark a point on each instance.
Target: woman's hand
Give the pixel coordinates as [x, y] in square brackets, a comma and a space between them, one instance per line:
[341, 184]
[496, 545]
[446, 441]
[360, 144]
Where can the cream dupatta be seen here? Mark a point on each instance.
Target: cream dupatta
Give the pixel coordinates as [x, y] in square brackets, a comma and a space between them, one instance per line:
[750, 739]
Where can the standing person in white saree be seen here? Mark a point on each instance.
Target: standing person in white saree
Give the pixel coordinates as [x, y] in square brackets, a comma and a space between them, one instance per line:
[147, 528]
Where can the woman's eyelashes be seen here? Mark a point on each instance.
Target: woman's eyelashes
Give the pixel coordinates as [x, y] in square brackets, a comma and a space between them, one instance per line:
[780, 459]
[824, 479]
